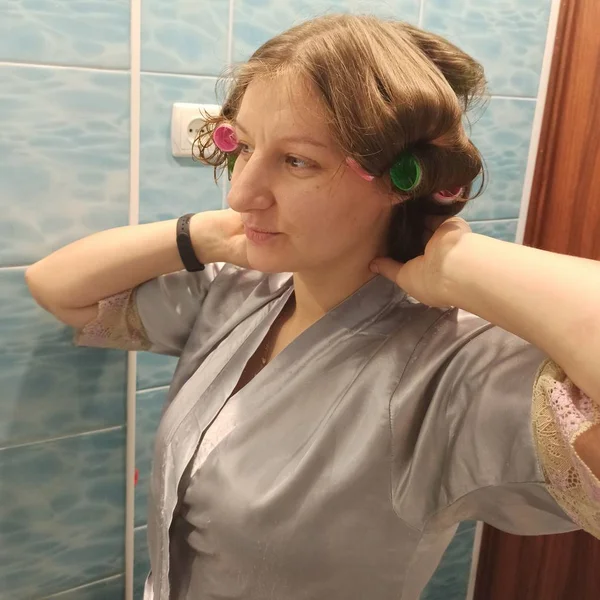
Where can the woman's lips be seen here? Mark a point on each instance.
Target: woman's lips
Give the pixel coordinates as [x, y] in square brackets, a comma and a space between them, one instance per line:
[259, 236]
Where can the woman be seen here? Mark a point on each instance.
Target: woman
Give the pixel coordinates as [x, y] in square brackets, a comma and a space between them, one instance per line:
[345, 395]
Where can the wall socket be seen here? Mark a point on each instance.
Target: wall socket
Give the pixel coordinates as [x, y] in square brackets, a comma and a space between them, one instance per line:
[186, 121]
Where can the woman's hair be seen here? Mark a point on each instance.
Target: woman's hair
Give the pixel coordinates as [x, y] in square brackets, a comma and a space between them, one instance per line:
[387, 87]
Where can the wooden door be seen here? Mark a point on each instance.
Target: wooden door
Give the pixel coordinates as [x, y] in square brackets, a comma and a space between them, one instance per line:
[563, 216]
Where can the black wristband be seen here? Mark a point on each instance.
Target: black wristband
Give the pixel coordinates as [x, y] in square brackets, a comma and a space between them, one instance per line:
[184, 245]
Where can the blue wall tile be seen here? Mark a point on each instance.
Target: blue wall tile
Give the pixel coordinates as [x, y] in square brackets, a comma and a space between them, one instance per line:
[154, 370]
[170, 187]
[142, 562]
[93, 33]
[451, 579]
[22, 322]
[107, 589]
[502, 230]
[502, 134]
[187, 36]
[507, 36]
[52, 391]
[256, 21]
[64, 142]
[49, 387]
[62, 515]
[149, 407]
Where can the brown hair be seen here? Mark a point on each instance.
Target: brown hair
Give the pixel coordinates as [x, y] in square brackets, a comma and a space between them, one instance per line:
[387, 87]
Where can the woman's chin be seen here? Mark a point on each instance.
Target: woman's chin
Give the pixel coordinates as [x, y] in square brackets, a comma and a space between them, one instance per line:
[267, 262]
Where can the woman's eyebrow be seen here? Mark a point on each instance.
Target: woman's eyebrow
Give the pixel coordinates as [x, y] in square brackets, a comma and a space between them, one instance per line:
[301, 139]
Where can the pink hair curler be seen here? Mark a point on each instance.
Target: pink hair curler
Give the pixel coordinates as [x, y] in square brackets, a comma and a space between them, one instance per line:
[358, 169]
[224, 138]
[448, 196]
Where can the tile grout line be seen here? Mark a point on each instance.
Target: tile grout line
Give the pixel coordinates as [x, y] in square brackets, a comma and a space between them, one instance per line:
[509, 97]
[8, 63]
[170, 74]
[153, 389]
[130, 473]
[101, 69]
[60, 438]
[502, 220]
[134, 217]
[229, 62]
[421, 14]
[230, 33]
[83, 587]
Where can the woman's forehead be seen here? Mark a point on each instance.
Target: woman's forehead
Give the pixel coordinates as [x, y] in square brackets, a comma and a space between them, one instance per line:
[287, 104]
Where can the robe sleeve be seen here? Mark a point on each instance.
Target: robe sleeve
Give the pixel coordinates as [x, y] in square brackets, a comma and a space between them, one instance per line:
[562, 417]
[159, 315]
[496, 436]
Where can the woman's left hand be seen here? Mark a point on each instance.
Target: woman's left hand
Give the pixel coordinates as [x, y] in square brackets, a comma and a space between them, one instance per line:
[425, 277]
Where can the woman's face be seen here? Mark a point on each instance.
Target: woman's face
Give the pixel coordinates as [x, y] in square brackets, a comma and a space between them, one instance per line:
[290, 180]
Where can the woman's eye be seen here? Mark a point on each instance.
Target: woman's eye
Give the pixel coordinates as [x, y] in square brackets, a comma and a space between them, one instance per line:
[293, 161]
[296, 162]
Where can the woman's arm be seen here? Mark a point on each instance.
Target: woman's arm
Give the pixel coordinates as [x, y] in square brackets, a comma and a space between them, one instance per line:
[70, 282]
[551, 300]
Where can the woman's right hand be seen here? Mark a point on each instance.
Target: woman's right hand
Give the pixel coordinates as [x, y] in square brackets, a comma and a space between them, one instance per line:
[218, 236]
[71, 281]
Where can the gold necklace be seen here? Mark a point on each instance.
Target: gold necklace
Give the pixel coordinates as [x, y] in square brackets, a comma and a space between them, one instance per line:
[265, 356]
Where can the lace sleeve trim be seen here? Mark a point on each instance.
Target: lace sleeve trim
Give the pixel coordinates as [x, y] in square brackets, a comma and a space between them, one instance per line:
[118, 325]
[561, 413]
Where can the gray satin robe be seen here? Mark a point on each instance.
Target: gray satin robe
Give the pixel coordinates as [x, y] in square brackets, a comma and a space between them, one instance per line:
[355, 453]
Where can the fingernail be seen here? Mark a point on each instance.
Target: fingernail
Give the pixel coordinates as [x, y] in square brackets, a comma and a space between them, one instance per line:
[374, 268]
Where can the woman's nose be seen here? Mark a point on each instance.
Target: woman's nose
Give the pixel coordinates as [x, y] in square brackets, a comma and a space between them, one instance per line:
[249, 187]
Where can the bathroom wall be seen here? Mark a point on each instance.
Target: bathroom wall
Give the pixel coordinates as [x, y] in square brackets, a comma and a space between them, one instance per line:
[86, 88]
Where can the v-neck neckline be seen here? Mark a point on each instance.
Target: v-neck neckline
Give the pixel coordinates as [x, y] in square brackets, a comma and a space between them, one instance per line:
[254, 358]
[372, 298]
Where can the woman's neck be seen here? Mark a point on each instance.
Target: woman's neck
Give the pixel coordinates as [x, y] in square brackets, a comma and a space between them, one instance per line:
[317, 292]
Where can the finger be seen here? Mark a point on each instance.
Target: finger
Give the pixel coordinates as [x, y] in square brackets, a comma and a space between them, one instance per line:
[387, 267]
[457, 223]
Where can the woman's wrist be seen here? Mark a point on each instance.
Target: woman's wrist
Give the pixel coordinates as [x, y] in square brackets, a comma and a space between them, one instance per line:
[204, 240]
[458, 272]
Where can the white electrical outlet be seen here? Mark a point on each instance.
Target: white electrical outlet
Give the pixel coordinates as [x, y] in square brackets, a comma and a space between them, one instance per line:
[186, 121]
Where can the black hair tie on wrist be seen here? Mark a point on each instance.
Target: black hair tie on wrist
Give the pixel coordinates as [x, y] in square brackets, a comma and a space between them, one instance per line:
[184, 245]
